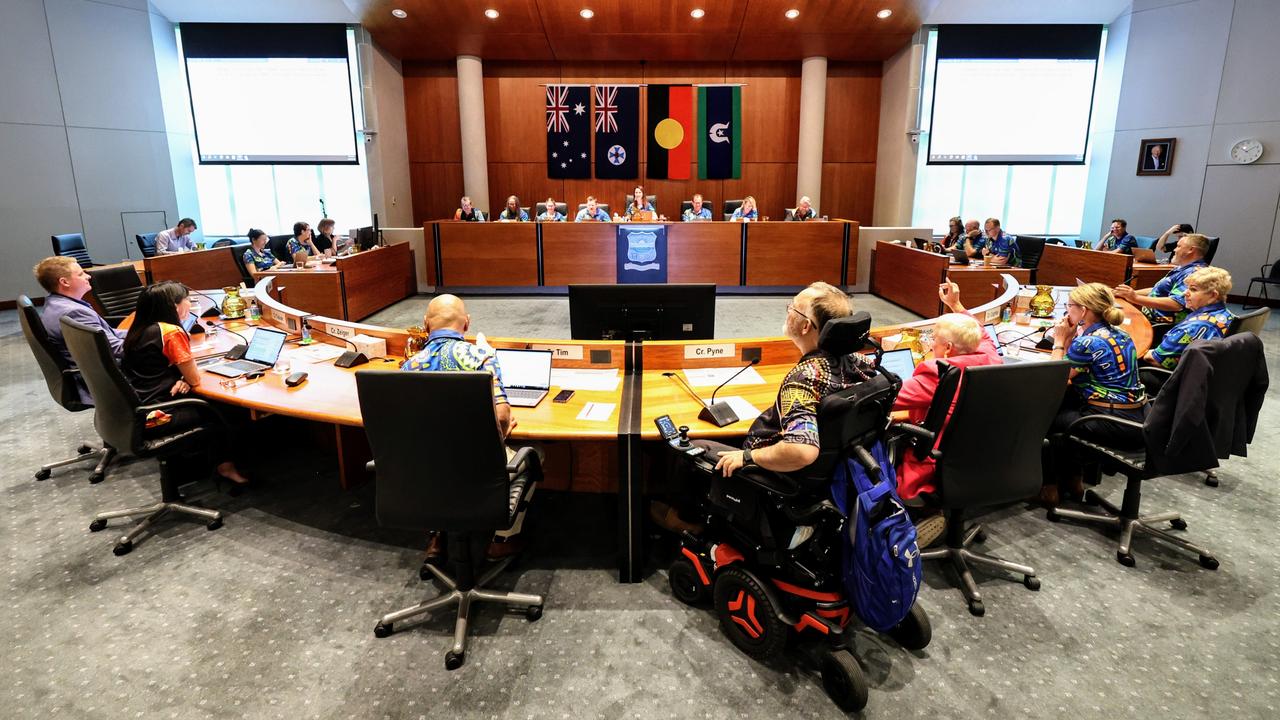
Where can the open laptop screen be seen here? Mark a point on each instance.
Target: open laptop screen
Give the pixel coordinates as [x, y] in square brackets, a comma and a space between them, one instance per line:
[265, 346]
[899, 362]
[525, 368]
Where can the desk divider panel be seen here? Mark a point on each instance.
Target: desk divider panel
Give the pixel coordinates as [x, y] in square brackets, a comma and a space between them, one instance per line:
[213, 268]
[908, 277]
[1061, 265]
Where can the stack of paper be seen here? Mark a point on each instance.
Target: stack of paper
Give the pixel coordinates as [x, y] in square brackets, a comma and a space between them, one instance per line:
[712, 377]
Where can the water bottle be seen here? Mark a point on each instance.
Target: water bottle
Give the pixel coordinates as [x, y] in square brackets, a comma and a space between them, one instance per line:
[306, 334]
[255, 312]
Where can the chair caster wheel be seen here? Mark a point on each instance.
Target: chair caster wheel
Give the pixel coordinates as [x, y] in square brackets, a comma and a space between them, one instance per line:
[1125, 559]
[97, 525]
[123, 548]
[84, 449]
[976, 608]
[1178, 524]
[1032, 582]
[1211, 479]
[1208, 562]
[453, 660]
[95, 478]
[1089, 498]
[1052, 516]
[533, 613]
[382, 630]
[43, 473]
[980, 536]
[214, 524]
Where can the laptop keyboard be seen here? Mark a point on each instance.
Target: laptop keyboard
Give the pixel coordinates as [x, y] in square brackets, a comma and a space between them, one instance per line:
[524, 394]
[241, 366]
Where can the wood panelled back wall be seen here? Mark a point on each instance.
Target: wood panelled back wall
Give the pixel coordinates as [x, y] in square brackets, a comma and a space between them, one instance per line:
[516, 134]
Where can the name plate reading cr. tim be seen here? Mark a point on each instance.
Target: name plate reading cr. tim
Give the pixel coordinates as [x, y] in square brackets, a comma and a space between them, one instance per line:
[562, 352]
[702, 352]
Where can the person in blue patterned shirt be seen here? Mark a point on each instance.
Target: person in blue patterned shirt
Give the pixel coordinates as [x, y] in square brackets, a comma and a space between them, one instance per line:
[746, 211]
[1117, 239]
[549, 212]
[1209, 317]
[1166, 303]
[697, 210]
[997, 246]
[301, 241]
[257, 257]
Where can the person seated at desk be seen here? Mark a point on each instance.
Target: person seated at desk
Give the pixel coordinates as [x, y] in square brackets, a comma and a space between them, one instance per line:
[1173, 234]
[1118, 239]
[746, 212]
[177, 238]
[804, 211]
[468, 212]
[447, 350]
[592, 212]
[1166, 301]
[1208, 318]
[640, 204]
[158, 362]
[257, 257]
[67, 283]
[998, 247]
[958, 339]
[697, 210]
[549, 212]
[1103, 381]
[513, 212]
[955, 234]
[324, 241]
[301, 242]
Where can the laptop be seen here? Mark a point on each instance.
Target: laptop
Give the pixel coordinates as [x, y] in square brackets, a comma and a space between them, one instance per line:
[526, 374]
[262, 353]
[900, 362]
[1144, 255]
[958, 256]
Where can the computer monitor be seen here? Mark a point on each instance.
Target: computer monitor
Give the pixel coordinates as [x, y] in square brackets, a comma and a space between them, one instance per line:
[366, 238]
[642, 311]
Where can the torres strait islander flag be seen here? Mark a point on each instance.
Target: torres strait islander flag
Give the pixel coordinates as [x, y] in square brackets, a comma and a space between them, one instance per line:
[568, 131]
[670, 131]
[617, 126]
[719, 132]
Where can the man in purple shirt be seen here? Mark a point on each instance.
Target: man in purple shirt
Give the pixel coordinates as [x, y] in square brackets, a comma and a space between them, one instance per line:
[67, 282]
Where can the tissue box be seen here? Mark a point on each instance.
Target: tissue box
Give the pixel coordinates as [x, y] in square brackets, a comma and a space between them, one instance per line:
[372, 347]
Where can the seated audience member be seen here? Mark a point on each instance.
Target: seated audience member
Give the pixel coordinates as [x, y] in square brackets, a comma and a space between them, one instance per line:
[447, 350]
[468, 212]
[324, 240]
[549, 212]
[1117, 239]
[159, 364]
[973, 238]
[67, 283]
[958, 339]
[1208, 317]
[513, 212]
[177, 238]
[697, 210]
[257, 257]
[955, 234]
[639, 203]
[301, 242]
[999, 247]
[1165, 303]
[1103, 381]
[804, 211]
[1172, 235]
[746, 211]
[592, 212]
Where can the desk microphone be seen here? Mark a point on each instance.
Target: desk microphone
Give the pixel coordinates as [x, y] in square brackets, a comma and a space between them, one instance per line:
[238, 351]
[348, 359]
[719, 413]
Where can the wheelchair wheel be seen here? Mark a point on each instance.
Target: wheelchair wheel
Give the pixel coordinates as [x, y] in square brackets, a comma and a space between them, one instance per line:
[746, 615]
[843, 680]
[685, 583]
[915, 631]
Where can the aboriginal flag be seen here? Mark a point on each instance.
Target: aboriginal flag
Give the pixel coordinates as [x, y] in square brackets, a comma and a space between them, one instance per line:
[719, 132]
[670, 131]
[617, 125]
[568, 131]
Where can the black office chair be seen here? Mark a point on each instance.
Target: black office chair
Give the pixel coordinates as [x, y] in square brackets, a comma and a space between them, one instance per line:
[1031, 248]
[989, 454]
[116, 289]
[72, 245]
[224, 242]
[121, 419]
[1153, 461]
[279, 246]
[63, 382]
[1145, 241]
[602, 206]
[468, 489]
[1253, 322]
[237, 252]
[1213, 250]
[539, 208]
[147, 244]
[1265, 278]
[730, 206]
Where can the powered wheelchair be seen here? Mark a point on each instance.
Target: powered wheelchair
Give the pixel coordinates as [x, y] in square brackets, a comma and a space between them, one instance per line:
[769, 558]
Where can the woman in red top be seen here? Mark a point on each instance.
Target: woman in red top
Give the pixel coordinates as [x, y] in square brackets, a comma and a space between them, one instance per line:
[158, 362]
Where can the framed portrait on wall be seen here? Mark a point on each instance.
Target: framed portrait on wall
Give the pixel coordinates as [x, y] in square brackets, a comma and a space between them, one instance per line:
[1156, 156]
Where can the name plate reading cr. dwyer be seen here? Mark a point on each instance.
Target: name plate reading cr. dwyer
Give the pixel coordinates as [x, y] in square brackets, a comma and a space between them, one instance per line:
[561, 352]
[339, 331]
[719, 350]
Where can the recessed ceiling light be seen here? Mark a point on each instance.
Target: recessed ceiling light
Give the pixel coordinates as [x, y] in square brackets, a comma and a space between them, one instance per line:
[587, 13]
[884, 13]
[697, 12]
[792, 14]
[400, 13]
[491, 14]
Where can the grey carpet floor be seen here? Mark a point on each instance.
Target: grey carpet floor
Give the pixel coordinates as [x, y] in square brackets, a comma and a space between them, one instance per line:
[272, 616]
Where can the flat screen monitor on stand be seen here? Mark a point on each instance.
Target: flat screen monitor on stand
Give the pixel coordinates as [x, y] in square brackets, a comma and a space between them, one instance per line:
[642, 311]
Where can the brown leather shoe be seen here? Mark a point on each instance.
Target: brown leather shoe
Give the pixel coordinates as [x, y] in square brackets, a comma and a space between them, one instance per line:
[502, 550]
[435, 551]
[1049, 495]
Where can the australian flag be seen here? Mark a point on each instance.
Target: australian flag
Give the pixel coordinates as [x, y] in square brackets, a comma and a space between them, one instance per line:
[568, 131]
[617, 126]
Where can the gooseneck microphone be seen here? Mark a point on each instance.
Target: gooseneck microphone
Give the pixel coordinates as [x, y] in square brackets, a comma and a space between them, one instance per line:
[238, 351]
[753, 361]
[349, 359]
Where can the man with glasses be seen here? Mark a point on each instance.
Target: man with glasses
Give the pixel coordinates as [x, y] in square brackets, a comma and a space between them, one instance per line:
[1166, 301]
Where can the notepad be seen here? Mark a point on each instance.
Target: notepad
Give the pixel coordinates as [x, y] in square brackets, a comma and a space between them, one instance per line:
[743, 409]
[711, 377]
[597, 411]
[585, 379]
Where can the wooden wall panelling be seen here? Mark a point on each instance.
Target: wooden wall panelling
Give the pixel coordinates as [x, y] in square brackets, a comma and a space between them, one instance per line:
[848, 191]
[770, 110]
[436, 187]
[515, 123]
[431, 110]
[851, 129]
[528, 181]
[579, 253]
[772, 184]
[704, 252]
[488, 253]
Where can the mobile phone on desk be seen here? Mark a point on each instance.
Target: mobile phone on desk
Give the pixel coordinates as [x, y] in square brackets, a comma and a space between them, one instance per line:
[563, 396]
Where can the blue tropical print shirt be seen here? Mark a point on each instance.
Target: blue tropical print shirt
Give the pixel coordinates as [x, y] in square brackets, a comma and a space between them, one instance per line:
[1126, 243]
[1004, 245]
[448, 350]
[1208, 323]
[703, 214]
[600, 215]
[1108, 365]
[1174, 287]
[259, 260]
[737, 214]
[296, 247]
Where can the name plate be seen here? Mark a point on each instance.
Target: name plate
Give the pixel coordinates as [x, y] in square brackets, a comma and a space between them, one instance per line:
[562, 352]
[339, 331]
[702, 352]
[277, 316]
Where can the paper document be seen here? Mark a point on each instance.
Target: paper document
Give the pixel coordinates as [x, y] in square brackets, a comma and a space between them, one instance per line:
[597, 411]
[743, 409]
[585, 379]
[321, 352]
[711, 377]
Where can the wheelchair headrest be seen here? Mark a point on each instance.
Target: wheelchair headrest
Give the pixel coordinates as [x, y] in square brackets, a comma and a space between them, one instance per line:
[841, 336]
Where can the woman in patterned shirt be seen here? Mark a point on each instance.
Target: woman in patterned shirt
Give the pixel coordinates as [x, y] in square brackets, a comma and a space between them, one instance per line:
[258, 257]
[1209, 318]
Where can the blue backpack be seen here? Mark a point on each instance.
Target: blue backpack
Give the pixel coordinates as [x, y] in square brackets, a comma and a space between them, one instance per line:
[880, 559]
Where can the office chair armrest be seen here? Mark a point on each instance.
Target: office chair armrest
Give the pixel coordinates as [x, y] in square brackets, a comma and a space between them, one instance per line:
[817, 511]
[1109, 418]
[526, 458]
[914, 430]
[202, 406]
[915, 433]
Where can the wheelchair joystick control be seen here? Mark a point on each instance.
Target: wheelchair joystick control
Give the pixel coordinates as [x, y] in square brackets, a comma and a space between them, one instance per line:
[684, 436]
